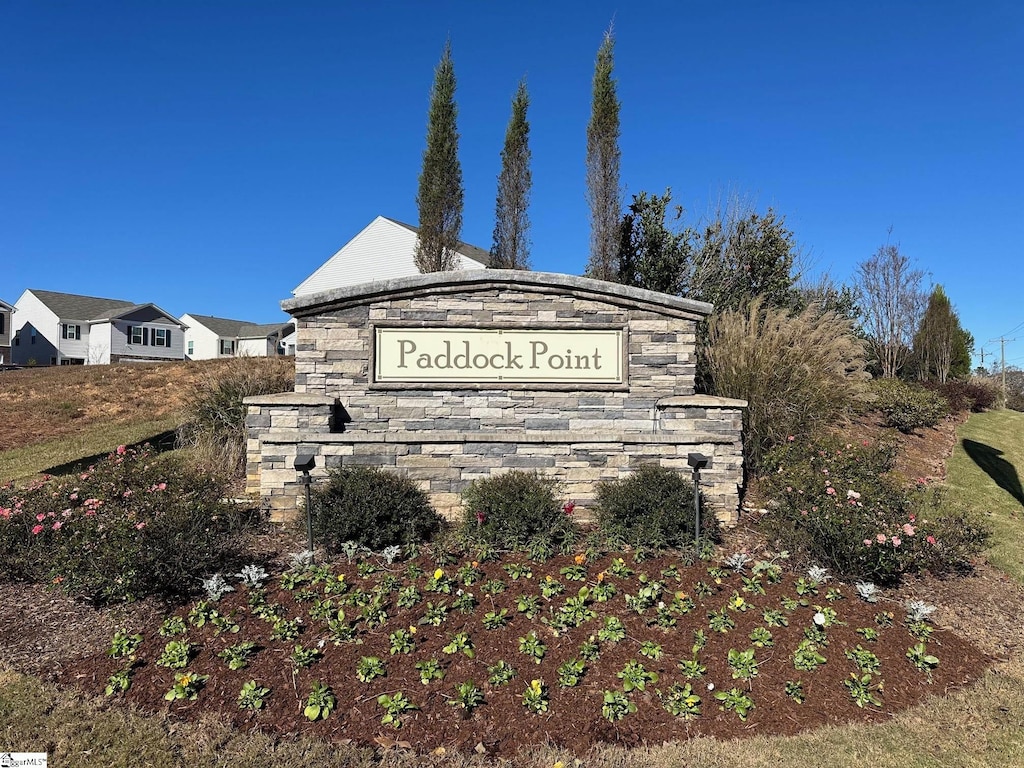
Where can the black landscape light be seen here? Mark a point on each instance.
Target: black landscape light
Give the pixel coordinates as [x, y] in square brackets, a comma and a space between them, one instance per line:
[698, 461]
[305, 462]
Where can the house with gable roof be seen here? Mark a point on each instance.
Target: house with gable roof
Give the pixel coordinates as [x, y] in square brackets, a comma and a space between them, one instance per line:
[52, 328]
[5, 332]
[208, 337]
[383, 250]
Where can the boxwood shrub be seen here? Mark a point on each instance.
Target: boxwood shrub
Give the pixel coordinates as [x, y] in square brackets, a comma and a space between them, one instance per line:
[371, 506]
[908, 407]
[515, 510]
[652, 508]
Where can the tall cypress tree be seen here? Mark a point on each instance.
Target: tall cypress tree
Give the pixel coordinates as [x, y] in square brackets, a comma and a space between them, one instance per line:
[439, 198]
[604, 194]
[511, 248]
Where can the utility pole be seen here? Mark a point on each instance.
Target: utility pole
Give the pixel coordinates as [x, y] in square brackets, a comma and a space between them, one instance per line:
[1002, 359]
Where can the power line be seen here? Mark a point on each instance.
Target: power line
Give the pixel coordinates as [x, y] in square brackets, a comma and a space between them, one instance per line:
[1014, 330]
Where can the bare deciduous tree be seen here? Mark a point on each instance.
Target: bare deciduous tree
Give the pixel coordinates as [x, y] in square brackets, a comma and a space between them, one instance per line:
[891, 303]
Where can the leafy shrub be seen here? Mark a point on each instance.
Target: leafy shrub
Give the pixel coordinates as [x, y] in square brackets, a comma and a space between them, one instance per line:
[652, 508]
[214, 413]
[906, 406]
[974, 396]
[371, 506]
[797, 373]
[132, 525]
[838, 506]
[516, 509]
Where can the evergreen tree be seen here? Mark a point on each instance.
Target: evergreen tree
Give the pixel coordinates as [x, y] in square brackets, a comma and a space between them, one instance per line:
[651, 255]
[439, 198]
[604, 194]
[940, 341]
[511, 248]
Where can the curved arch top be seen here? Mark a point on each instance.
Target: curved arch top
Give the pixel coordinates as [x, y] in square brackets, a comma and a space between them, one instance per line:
[473, 281]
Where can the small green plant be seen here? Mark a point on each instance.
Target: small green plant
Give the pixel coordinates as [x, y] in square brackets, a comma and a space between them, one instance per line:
[435, 614]
[535, 697]
[394, 706]
[795, 690]
[735, 701]
[620, 569]
[590, 649]
[721, 621]
[237, 656]
[574, 572]
[616, 705]
[496, 619]
[285, 629]
[493, 587]
[464, 602]
[922, 661]
[651, 650]
[862, 691]
[408, 597]
[885, 619]
[501, 673]
[124, 645]
[570, 673]
[752, 585]
[775, 618]
[681, 701]
[866, 661]
[517, 571]
[252, 696]
[550, 587]
[532, 646]
[320, 702]
[173, 625]
[613, 630]
[528, 605]
[368, 668]
[692, 668]
[743, 664]
[920, 630]
[603, 591]
[430, 670]
[186, 686]
[303, 658]
[634, 676]
[762, 637]
[176, 655]
[700, 640]
[870, 634]
[119, 682]
[201, 613]
[402, 641]
[806, 658]
[460, 642]
[467, 696]
[469, 574]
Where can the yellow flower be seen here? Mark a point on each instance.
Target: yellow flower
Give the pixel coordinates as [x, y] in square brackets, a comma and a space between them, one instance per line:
[580, 559]
[412, 629]
[600, 576]
[475, 563]
[548, 578]
[341, 577]
[558, 764]
[535, 686]
[438, 574]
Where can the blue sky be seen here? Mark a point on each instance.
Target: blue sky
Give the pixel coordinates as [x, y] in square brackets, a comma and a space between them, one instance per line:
[208, 156]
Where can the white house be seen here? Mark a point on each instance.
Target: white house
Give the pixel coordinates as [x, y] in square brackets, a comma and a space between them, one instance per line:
[53, 328]
[208, 337]
[385, 249]
[5, 332]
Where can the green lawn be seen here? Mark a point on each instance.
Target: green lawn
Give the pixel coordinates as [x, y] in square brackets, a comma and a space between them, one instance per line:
[986, 472]
[24, 463]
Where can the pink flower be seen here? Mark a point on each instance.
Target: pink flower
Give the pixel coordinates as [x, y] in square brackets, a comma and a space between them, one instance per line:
[126, 494]
[852, 494]
[896, 541]
[908, 529]
[73, 496]
[880, 538]
[931, 539]
[57, 525]
[161, 486]
[84, 476]
[867, 542]
[140, 526]
[568, 507]
[36, 530]
[480, 517]
[40, 517]
[121, 450]
[790, 439]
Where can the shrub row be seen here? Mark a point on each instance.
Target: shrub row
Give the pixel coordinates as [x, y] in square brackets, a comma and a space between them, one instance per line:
[837, 505]
[133, 525]
[908, 406]
[651, 509]
[963, 396]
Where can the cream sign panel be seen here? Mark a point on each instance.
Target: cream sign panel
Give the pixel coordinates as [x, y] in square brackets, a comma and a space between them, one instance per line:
[492, 354]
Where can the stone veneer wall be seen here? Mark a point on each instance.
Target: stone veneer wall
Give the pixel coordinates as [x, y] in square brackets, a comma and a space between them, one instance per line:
[445, 436]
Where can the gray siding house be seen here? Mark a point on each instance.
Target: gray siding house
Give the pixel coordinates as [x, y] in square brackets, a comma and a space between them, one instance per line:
[5, 332]
[53, 328]
[209, 337]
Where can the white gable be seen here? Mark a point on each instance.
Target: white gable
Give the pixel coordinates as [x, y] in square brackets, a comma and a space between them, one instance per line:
[383, 250]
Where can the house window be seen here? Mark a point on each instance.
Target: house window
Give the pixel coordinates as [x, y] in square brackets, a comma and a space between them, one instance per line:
[227, 346]
[69, 331]
[137, 335]
[191, 348]
[161, 337]
[33, 338]
[3, 320]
